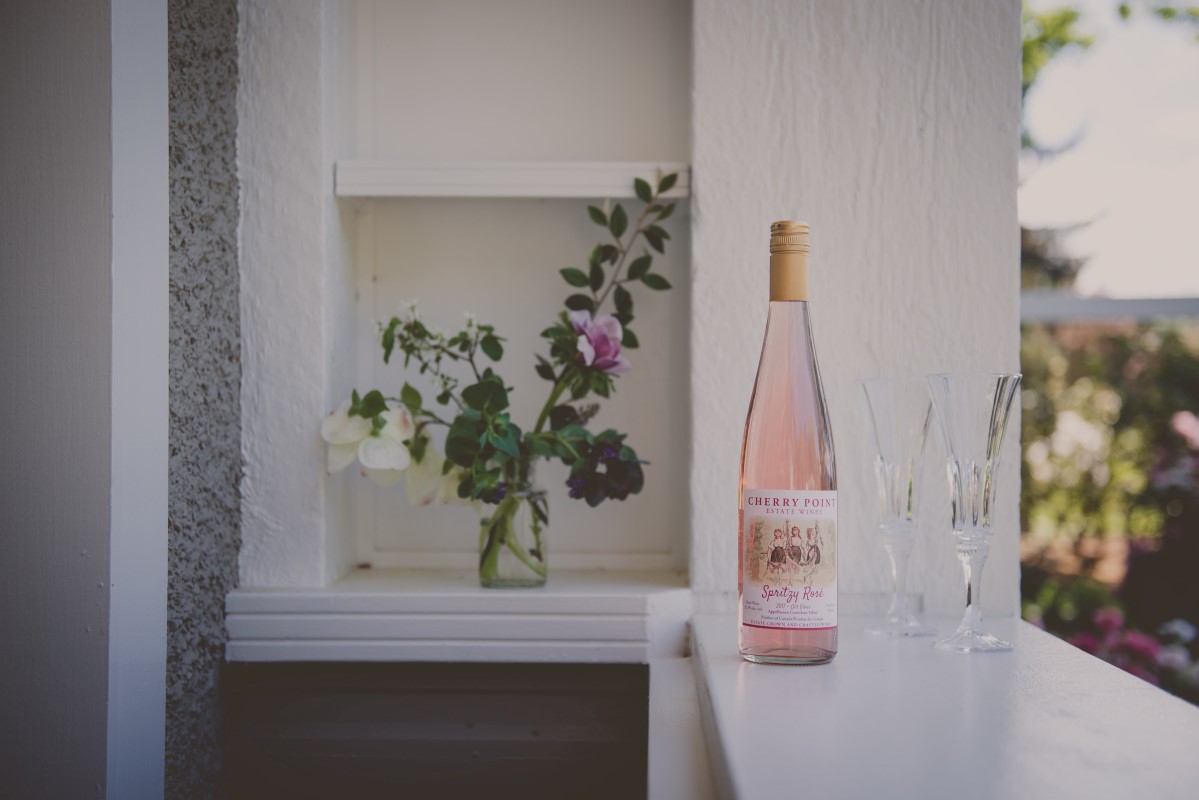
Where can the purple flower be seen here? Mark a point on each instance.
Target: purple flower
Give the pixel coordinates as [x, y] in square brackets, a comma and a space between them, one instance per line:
[599, 342]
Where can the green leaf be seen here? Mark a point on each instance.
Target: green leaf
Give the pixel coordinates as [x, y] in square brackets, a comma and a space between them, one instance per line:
[629, 339]
[640, 266]
[443, 398]
[355, 404]
[490, 344]
[539, 445]
[655, 239]
[373, 404]
[666, 212]
[596, 253]
[545, 369]
[623, 317]
[410, 397]
[667, 183]
[486, 396]
[655, 281]
[597, 216]
[505, 444]
[597, 277]
[619, 221]
[461, 449]
[575, 277]
[580, 302]
[609, 253]
[389, 339]
[623, 300]
[644, 193]
[658, 230]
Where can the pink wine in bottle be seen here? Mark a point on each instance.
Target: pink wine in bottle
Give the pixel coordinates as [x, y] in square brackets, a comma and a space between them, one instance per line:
[787, 553]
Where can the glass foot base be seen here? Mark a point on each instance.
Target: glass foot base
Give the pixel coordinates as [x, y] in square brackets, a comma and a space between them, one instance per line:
[968, 641]
[900, 627]
[808, 657]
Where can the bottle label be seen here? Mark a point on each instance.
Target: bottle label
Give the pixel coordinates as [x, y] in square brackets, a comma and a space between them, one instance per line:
[790, 559]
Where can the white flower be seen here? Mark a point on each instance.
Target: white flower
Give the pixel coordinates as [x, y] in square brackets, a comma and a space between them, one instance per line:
[426, 485]
[343, 433]
[1178, 628]
[1174, 657]
[382, 453]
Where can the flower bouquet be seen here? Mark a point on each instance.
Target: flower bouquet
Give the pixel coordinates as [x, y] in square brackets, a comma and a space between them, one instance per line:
[489, 460]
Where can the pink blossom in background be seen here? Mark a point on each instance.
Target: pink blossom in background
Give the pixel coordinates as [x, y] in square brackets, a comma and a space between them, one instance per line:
[1186, 425]
[1087, 642]
[1141, 645]
[599, 341]
[1109, 619]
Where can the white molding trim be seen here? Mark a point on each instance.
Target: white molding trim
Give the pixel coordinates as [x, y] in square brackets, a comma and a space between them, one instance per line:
[139, 444]
[537, 179]
[420, 559]
[425, 615]
[1061, 307]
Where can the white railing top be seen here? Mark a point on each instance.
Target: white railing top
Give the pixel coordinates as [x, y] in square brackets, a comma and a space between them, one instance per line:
[1050, 306]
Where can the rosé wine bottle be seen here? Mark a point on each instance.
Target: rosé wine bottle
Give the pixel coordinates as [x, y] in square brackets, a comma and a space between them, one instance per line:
[787, 543]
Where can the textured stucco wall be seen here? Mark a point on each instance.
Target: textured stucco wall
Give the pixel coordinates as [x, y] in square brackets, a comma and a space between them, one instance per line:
[205, 429]
[891, 127]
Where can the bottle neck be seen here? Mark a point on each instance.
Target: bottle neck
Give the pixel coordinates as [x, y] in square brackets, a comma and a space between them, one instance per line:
[788, 276]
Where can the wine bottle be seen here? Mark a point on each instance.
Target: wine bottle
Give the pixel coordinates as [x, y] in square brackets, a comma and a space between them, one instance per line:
[787, 553]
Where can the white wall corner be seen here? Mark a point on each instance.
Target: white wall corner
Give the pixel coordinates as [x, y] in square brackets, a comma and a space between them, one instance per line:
[283, 244]
[893, 128]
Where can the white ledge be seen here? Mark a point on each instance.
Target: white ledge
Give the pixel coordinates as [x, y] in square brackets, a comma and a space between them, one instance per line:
[576, 179]
[426, 615]
[898, 719]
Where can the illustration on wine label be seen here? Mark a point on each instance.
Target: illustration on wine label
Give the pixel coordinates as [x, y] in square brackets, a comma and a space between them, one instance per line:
[790, 559]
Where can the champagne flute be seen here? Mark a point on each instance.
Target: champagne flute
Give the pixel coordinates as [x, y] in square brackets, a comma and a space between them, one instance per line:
[899, 413]
[972, 413]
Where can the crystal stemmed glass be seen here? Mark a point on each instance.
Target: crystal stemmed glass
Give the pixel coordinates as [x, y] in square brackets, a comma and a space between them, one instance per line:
[899, 413]
[972, 413]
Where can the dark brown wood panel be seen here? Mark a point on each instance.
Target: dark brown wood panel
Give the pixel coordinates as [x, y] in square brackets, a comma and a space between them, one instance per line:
[437, 730]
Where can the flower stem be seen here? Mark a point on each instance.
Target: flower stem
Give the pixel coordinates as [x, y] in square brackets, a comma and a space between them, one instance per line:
[555, 393]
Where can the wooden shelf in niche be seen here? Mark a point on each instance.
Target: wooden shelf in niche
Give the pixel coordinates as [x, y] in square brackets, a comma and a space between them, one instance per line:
[536, 179]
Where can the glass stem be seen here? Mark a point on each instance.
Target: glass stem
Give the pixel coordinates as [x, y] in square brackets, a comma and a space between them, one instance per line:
[899, 548]
[972, 552]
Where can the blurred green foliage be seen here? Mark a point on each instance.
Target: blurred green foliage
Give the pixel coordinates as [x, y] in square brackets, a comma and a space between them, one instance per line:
[1097, 408]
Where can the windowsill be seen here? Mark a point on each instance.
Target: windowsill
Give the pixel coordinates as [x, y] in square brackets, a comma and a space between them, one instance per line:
[435, 615]
[899, 719]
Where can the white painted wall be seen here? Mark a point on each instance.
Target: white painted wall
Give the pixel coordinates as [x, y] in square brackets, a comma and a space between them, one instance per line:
[83, 299]
[892, 127]
[292, 277]
[323, 81]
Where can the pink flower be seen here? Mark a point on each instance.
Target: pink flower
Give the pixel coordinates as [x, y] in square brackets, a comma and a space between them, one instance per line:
[1087, 642]
[599, 341]
[1186, 425]
[1141, 644]
[1109, 619]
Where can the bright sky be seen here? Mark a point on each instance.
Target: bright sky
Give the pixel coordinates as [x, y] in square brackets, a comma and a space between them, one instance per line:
[1134, 95]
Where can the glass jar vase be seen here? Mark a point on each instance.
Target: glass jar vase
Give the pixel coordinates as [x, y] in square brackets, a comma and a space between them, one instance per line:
[512, 533]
